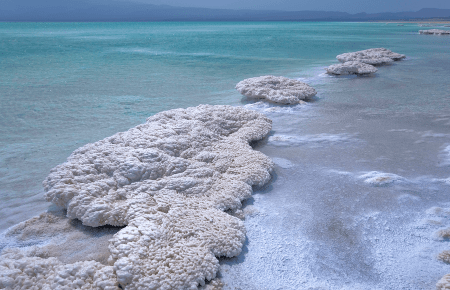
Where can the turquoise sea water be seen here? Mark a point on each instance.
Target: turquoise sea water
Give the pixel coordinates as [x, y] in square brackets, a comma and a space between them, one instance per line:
[320, 226]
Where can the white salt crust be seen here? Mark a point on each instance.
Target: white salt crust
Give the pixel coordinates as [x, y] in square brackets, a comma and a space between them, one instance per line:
[351, 67]
[276, 89]
[373, 56]
[435, 32]
[19, 270]
[169, 181]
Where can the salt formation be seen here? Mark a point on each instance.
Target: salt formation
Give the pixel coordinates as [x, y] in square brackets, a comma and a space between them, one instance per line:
[380, 178]
[444, 256]
[276, 89]
[373, 56]
[443, 234]
[169, 181]
[444, 283]
[435, 32]
[351, 67]
[26, 271]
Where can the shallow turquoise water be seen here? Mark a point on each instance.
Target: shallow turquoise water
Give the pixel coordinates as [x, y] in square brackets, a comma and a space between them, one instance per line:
[63, 85]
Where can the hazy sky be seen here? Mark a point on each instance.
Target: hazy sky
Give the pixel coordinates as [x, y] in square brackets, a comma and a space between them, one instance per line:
[352, 6]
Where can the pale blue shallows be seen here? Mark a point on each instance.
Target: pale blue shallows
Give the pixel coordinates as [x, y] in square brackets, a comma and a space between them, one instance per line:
[320, 224]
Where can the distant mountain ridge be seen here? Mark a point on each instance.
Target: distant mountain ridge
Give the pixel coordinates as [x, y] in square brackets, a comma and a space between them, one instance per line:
[103, 10]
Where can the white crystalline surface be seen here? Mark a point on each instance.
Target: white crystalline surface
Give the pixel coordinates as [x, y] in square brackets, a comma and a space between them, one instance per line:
[373, 56]
[435, 31]
[20, 271]
[169, 181]
[351, 67]
[276, 89]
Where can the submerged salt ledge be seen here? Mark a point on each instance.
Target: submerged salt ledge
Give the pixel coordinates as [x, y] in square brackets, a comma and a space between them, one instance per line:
[169, 181]
[276, 89]
[271, 108]
[446, 156]
[381, 178]
[313, 140]
[372, 56]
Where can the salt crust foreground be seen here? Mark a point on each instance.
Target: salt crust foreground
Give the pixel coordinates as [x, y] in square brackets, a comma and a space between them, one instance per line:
[435, 32]
[276, 89]
[351, 67]
[373, 56]
[436, 216]
[169, 181]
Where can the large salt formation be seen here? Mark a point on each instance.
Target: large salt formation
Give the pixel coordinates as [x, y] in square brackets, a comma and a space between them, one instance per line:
[351, 67]
[170, 181]
[276, 89]
[372, 56]
[435, 32]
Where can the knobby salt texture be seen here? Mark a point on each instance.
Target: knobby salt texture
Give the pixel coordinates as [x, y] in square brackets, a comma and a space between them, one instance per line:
[276, 89]
[26, 271]
[351, 67]
[444, 283]
[444, 256]
[372, 56]
[169, 181]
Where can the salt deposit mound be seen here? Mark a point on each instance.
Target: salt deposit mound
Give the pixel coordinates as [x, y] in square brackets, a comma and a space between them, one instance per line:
[444, 283]
[373, 56]
[351, 67]
[169, 181]
[435, 32]
[444, 256]
[376, 178]
[276, 89]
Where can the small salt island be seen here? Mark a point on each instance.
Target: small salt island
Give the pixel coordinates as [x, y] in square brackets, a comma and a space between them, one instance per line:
[276, 89]
[351, 68]
[372, 56]
[435, 32]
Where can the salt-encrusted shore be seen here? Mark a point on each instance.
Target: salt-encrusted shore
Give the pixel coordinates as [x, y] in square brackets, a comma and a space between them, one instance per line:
[169, 181]
[435, 32]
[275, 89]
